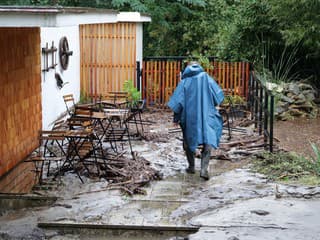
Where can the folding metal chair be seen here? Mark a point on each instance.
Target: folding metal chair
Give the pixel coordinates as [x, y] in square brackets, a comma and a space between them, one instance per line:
[114, 100]
[118, 128]
[51, 150]
[72, 107]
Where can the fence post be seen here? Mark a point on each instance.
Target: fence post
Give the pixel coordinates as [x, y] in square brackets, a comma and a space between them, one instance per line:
[271, 123]
[138, 75]
[260, 108]
[266, 118]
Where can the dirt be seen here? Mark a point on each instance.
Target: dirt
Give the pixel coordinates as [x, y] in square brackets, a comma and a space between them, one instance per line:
[297, 135]
[225, 207]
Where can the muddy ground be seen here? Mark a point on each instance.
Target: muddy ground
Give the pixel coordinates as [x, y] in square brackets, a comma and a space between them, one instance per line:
[235, 203]
[296, 135]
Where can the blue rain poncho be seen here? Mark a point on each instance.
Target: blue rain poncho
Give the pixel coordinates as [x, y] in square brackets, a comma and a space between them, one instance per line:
[193, 103]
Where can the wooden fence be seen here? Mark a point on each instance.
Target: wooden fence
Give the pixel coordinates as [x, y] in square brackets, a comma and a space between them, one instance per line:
[160, 77]
[20, 103]
[108, 57]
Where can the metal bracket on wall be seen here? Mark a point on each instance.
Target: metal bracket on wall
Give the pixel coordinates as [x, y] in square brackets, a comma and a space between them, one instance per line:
[46, 52]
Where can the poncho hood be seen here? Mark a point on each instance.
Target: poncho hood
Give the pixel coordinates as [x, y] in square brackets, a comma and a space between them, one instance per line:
[192, 70]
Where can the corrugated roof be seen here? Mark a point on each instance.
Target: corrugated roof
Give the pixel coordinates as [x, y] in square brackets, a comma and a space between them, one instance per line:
[53, 9]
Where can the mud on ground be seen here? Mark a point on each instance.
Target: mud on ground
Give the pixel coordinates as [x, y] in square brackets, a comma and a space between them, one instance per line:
[234, 204]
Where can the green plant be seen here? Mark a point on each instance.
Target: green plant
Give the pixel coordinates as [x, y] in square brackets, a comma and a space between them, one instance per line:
[202, 60]
[279, 69]
[133, 94]
[84, 97]
[316, 158]
[290, 167]
[235, 99]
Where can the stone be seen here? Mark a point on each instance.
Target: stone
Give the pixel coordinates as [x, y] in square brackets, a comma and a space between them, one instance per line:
[295, 112]
[280, 110]
[233, 238]
[286, 99]
[294, 88]
[260, 212]
[305, 86]
[285, 116]
[309, 95]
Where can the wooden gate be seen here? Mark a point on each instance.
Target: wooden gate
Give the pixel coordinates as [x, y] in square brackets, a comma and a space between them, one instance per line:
[108, 57]
[161, 76]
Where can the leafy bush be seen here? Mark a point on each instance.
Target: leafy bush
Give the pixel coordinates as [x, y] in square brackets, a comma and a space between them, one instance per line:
[133, 93]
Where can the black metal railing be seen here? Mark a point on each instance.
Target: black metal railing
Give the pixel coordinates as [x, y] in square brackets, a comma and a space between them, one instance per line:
[261, 105]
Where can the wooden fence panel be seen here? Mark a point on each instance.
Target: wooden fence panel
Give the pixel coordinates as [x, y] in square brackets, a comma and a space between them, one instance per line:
[20, 96]
[160, 78]
[108, 57]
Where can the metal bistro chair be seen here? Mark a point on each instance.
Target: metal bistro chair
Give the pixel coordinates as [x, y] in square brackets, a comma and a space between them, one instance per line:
[50, 150]
[114, 100]
[85, 145]
[227, 112]
[71, 106]
[135, 117]
[118, 128]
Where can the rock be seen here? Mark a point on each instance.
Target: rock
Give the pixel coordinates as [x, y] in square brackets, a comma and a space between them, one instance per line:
[260, 212]
[285, 116]
[306, 107]
[294, 88]
[309, 95]
[316, 100]
[280, 110]
[301, 97]
[286, 99]
[305, 86]
[295, 112]
[233, 238]
[283, 104]
[297, 100]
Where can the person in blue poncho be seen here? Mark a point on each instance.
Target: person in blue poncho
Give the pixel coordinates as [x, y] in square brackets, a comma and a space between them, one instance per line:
[194, 104]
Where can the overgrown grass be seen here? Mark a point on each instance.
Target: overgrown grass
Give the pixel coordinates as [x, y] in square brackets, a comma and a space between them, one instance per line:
[280, 69]
[290, 167]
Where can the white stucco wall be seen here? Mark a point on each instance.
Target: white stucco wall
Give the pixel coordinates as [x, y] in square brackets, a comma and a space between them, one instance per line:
[52, 101]
[53, 105]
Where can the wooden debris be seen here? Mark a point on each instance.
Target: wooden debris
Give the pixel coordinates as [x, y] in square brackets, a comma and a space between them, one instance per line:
[132, 175]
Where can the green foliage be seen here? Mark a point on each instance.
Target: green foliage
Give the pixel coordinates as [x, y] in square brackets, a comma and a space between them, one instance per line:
[133, 94]
[234, 99]
[277, 69]
[202, 60]
[227, 29]
[84, 98]
[316, 158]
[284, 166]
[299, 22]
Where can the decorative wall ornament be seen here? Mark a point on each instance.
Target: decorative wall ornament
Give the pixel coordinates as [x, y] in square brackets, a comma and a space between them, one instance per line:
[46, 52]
[64, 52]
[59, 80]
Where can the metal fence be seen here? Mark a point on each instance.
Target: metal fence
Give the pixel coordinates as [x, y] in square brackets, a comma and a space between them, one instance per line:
[261, 105]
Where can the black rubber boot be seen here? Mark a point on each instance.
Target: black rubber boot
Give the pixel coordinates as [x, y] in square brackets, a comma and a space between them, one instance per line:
[190, 158]
[205, 158]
